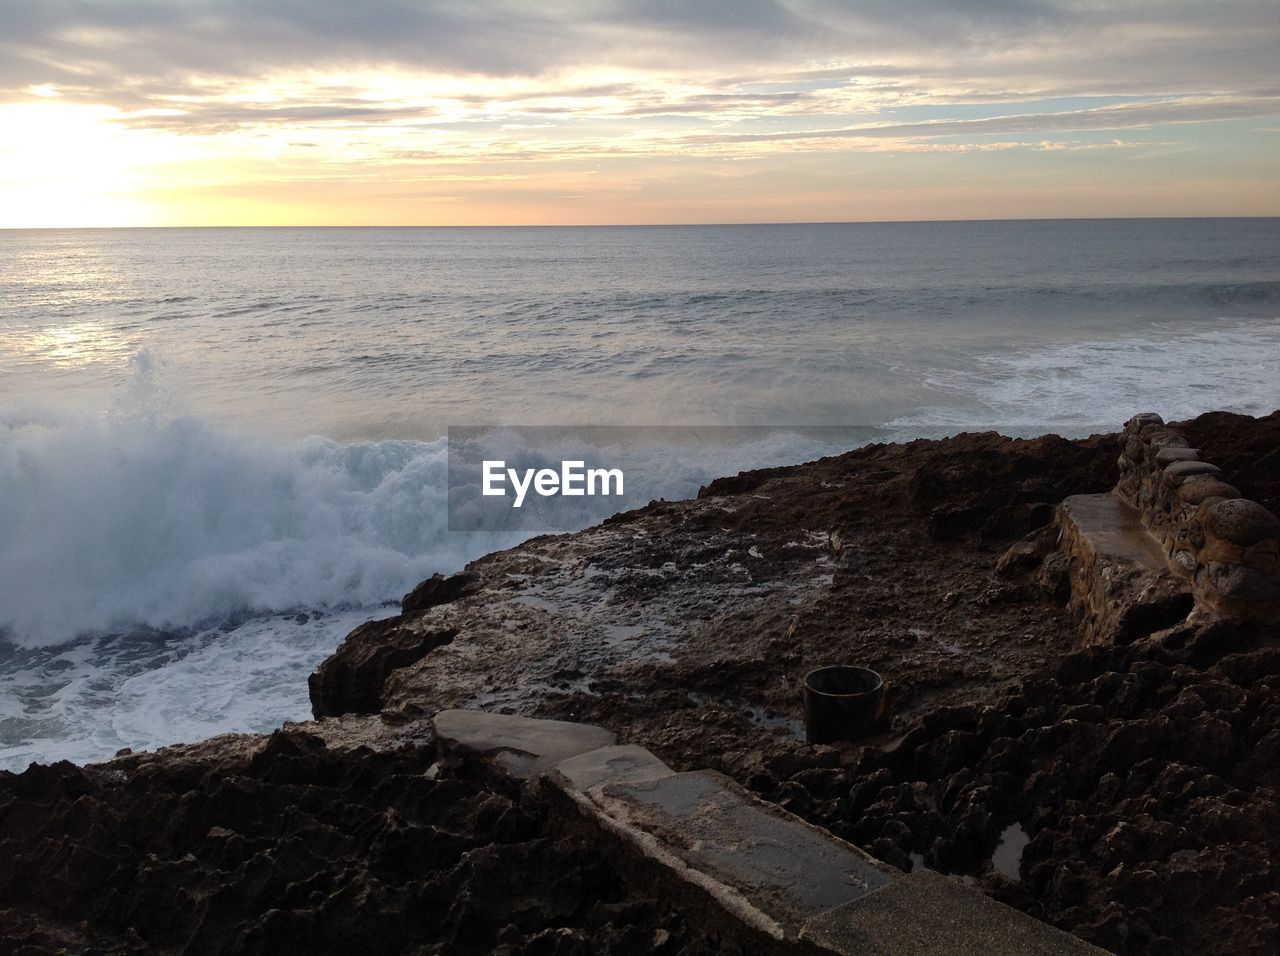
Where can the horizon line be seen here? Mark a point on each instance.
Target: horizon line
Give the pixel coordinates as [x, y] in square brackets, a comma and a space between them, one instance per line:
[640, 225]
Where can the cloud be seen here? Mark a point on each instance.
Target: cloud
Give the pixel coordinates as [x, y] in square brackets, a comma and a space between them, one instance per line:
[327, 88]
[119, 48]
[1111, 117]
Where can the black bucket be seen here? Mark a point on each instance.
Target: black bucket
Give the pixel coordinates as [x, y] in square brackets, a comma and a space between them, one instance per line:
[841, 703]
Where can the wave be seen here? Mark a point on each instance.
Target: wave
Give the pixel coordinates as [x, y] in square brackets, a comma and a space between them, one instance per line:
[84, 701]
[127, 523]
[135, 523]
[162, 580]
[1178, 370]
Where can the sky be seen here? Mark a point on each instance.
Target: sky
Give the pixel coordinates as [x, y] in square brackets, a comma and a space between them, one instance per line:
[510, 112]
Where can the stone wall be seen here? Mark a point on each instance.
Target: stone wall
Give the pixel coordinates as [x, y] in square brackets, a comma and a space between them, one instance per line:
[1226, 547]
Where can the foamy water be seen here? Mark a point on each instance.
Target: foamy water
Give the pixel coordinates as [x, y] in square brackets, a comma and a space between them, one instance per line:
[220, 450]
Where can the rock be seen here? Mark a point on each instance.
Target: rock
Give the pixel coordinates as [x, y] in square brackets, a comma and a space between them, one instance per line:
[1247, 592]
[1210, 742]
[1240, 521]
[1195, 490]
[524, 746]
[351, 680]
[1134, 741]
[437, 590]
[290, 846]
[1169, 439]
[788, 763]
[1168, 455]
[1180, 471]
[309, 846]
[1054, 577]
[1027, 553]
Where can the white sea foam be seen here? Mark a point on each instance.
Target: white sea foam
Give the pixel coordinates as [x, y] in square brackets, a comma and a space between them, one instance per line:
[169, 571]
[163, 581]
[86, 700]
[114, 525]
[129, 523]
[1176, 369]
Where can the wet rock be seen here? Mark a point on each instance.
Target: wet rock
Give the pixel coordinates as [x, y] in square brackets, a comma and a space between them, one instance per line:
[351, 681]
[316, 846]
[438, 589]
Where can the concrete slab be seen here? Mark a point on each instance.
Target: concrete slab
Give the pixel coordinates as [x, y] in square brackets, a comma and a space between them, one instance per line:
[769, 876]
[622, 764]
[926, 914]
[1114, 530]
[1122, 587]
[522, 746]
[783, 867]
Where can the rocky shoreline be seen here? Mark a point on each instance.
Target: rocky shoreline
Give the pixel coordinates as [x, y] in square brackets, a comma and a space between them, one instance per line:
[1127, 793]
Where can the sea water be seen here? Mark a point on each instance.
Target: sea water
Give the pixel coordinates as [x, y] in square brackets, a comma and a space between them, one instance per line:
[222, 449]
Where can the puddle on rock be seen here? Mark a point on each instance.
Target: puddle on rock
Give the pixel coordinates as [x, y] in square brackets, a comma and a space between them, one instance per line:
[1007, 858]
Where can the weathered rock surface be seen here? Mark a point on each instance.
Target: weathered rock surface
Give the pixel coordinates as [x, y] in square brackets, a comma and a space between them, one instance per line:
[1245, 448]
[436, 590]
[1146, 776]
[350, 682]
[301, 842]
[684, 612]
[1121, 586]
[1143, 776]
[1226, 547]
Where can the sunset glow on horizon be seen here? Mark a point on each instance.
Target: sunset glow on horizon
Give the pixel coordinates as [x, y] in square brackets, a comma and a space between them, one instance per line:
[398, 113]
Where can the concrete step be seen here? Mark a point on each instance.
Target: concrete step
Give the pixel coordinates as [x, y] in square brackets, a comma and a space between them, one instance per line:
[1114, 531]
[709, 844]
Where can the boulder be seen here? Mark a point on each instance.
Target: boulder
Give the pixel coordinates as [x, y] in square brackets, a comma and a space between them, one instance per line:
[1195, 490]
[350, 681]
[1240, 521]
[1167, 456]
[1180, 471]
[437, 590]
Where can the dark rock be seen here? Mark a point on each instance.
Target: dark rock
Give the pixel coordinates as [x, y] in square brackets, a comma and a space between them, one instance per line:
[351, 680]
[1240, 521]
[1195, 490]
[1180, 471]
[1172, 453]
[1210, 742]
[437, 590]
[235, 849]
[1243, 590]
[1028, 552]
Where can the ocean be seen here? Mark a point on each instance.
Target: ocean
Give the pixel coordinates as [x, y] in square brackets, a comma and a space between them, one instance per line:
[222, 449]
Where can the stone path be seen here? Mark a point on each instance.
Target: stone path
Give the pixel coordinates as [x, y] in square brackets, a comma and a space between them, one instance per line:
[712, 845]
